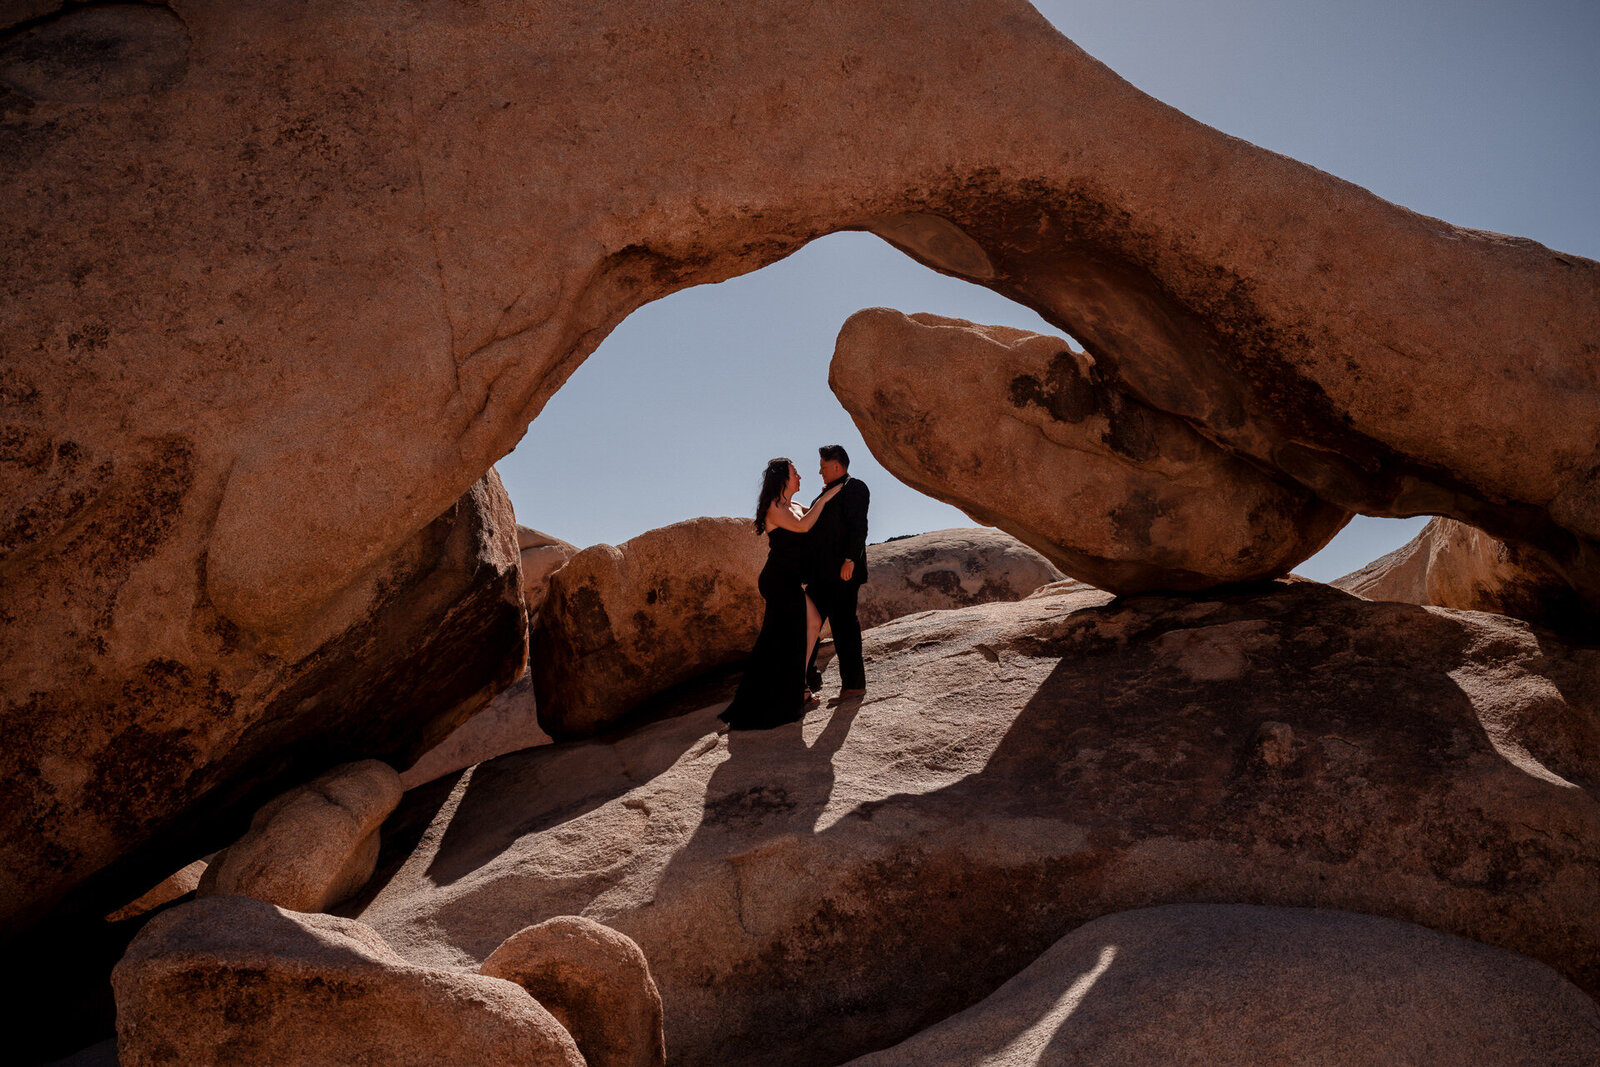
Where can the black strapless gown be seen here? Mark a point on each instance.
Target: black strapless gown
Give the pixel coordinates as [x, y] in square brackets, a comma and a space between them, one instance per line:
[772, 691]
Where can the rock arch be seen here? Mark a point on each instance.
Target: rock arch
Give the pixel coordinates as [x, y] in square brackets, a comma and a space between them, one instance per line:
[237, 289]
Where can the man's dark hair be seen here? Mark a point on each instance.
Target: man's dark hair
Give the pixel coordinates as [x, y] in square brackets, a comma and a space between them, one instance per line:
[835, 453]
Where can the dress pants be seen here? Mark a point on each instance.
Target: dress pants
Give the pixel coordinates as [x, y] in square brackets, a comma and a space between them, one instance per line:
[836, 602]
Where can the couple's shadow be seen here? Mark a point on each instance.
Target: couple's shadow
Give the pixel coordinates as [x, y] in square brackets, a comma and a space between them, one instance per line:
[774, 777]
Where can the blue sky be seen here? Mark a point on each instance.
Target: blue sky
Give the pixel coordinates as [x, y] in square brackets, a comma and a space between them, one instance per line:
[1486, 114]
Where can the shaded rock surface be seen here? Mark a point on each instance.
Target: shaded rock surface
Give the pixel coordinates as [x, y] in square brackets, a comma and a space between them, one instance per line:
[1022, 432]
[1454, 565]
[596, 983]
[1017, 770]
[313, 846]
[509, 723]
[1239, 986]
[238, 981]
[152, 742]
[253, 351]
[542, 556]
[625, 622]
[948, 569]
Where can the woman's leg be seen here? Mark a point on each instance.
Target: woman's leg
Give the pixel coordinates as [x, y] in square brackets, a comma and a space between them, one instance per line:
[813, 626]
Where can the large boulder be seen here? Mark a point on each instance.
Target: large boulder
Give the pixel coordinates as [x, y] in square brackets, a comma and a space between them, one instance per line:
[625, 622]
[1453, 565]
[948, 569]
[284, 280]
[1021, 431]
[1017, 770]
[542, 556]
[1233, 986]
[508, 723]
[313, 846]
[596, 983]
[131, 750]
[237, 981]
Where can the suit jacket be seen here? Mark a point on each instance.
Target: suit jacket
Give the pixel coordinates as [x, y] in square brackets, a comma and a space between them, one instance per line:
[840, 533]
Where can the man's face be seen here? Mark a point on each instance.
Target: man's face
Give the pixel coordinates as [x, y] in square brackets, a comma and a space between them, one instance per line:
[831, 470]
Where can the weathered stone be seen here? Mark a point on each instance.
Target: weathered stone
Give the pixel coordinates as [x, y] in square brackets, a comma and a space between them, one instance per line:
[1401, 575]
[313, 846]
[1453, 565]
[1236, 986]
[1022, 432]
[948, 569]
[154, 741]
[625, 622]
[347, 252]
[542, 556]
[509, 724]
[1017, 770]
[170, 888]
[238, 981]
[595, 981]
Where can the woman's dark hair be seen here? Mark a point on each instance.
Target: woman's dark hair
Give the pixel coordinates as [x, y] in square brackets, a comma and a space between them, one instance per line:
[773, 479]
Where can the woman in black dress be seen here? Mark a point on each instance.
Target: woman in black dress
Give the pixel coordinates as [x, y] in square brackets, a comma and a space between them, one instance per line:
[773, 689]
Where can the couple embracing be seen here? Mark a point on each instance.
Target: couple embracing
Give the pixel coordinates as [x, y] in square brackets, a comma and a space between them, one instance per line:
[816, 563]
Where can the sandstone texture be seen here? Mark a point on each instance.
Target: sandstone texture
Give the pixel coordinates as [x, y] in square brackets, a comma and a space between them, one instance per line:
[153, 741]
[542, 556]
[237, 981]
[948, 569]
[1021, 431]
[1454, 565]
[283, 281]
[509, 723]
[596, 983]
[623, 623]
[313, 846]
[1237, 986]
[1016, 770]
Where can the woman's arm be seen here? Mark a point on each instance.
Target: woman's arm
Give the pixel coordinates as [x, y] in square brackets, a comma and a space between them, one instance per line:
[783, 518]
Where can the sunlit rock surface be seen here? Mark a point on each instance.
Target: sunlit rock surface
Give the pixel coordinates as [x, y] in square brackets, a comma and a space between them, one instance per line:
[624, 622]
[1454, 565]
[313, 846]
[1020, 430]
[1016, 770]
[1234, 986]
[948, 569]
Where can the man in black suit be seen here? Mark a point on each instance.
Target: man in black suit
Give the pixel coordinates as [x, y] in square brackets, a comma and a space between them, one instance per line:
[837, 547]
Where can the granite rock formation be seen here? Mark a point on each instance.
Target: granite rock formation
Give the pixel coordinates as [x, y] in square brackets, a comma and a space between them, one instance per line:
[509, 723]
[542, 556]
[1235, 986]
[1453, 565]
[1022, 432]
[313, 846]
[150, 731]
[238, 981]
[1016, 770]
[596, 983]
[179, 883]
[948, 569]
[623, 623]
[283, 281]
